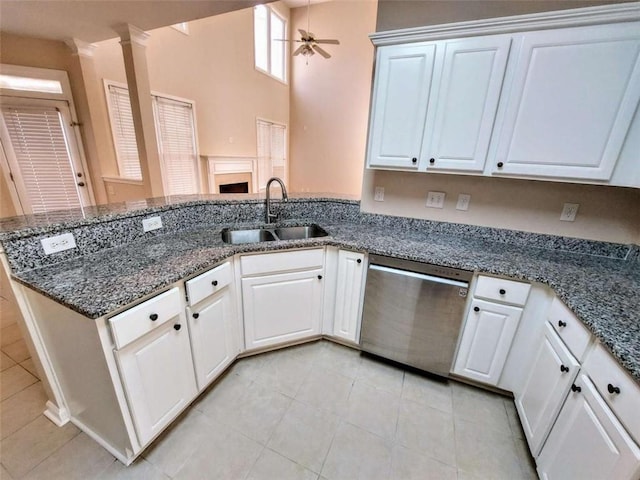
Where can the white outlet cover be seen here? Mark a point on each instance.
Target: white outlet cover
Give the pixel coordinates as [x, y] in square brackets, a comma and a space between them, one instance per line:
[151, 223]
[435, 199]
[463, 201]
[58, 243]
[569, 212]
[378, 195]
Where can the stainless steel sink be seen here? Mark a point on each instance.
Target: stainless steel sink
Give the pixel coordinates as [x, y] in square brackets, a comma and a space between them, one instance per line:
[269, 235]
[299, 233]
[247, 236]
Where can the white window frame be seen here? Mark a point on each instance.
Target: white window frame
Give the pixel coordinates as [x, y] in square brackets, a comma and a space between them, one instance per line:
[285, 177]
[285, 45]
[72, 129]
[121, 179]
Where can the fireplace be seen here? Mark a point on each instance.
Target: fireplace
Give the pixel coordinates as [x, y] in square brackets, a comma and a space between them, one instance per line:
[240, 187]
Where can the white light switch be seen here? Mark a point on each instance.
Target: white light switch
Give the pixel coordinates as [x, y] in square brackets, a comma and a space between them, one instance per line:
[58, 243]
[463, 201]
[569, 212]
[435, 199]
[378, 195]
[151, 223]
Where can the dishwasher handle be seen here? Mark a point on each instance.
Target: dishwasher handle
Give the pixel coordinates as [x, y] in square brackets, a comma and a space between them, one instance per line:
[421, 276]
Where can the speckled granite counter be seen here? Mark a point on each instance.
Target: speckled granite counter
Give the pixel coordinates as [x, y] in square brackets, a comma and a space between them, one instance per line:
[603, 289]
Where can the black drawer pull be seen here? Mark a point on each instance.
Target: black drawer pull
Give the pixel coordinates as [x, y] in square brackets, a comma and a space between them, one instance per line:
[432, 161]
[564, 369]
[611, 389]
[500, 164]
[476, 309]
[177, 327]
[562, 324]
[153, 317]
[359, 260]
[575, 388]
[502, 291]
[214, 283]
[414, 160]
[195, 315]
[319, 277]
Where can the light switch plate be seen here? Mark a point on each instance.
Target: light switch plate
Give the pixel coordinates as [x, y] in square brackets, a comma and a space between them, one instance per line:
[59, 243]
[151, 223]
[463, 201]
[435, 199]
[569, 212]
[378, 195]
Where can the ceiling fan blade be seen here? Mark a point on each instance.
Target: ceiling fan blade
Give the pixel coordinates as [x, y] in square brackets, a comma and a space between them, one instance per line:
[322, 52]
[303, 33]
[300, 49]
[332, 41]
[281, 40]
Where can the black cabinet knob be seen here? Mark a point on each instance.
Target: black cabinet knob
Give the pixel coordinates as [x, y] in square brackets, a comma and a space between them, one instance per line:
[502, 291]
[432, 161]
[500, 164]
[476, 309]
[319, 277]
[153, 317]
[611, 389]
[195, 315]
[81, 184]
[214, 283]
[562, 324]
[359, 260]
[79, 174]
[414, 160]
[575, 388]
[564, 369]
[177, 327]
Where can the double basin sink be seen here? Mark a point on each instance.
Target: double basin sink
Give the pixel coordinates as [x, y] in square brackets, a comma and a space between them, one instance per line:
[269, 235]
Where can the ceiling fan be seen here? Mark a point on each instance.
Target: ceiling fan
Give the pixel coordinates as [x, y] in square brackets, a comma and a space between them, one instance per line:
[310, 44]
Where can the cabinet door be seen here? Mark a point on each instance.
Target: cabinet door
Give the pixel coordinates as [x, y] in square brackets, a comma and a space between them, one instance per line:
[486, 340]
[573, 97]
[399, 105]
[281, 308]
[588, 442]
[466, 103]
[157, 373]
[213, 340]
[351, 270]
[546, 387]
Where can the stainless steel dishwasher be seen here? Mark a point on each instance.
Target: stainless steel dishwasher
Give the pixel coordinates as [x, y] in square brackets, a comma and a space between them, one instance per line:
[413, 312]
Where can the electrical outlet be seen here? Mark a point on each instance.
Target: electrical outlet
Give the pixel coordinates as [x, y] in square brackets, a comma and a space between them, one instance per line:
[151, 223]
[463, 201]
[59, 243]
[435, 199]
[378, 195]
[569, 212]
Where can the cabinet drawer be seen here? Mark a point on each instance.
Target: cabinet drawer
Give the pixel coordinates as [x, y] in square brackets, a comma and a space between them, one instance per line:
[208, 283]
[501, 290]
[135, 322]
[573, 333]
[604, 370]
[282, 261]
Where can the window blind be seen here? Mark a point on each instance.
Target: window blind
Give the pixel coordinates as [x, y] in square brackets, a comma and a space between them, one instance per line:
[271, 151]
[278, 150]
[124, 133]
[42, 154]
[177, 144]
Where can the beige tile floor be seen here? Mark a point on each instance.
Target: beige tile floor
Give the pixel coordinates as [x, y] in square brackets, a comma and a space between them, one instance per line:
[316, 411]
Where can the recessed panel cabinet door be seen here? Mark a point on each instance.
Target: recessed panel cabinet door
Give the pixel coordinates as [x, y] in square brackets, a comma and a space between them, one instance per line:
[400, 100]
[587, 441]
[157, 372]
[282, 307]
[351, 269]
[486, 340]
[573, 98]
[466, 106]
[545, 388]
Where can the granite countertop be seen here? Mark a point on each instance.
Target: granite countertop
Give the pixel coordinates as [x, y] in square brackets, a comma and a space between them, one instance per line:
[602, 292]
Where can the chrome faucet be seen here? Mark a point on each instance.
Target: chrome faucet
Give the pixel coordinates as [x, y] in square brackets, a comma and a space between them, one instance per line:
[270, 215]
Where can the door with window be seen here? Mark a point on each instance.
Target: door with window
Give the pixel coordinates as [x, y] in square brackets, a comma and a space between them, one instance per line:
[272, 158]
[41, 152]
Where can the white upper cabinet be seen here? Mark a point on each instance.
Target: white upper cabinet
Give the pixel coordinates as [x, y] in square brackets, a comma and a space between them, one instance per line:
[571, 103]
[401, 97]
[466, 103]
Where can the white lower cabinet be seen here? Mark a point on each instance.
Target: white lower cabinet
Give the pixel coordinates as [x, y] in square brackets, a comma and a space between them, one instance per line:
[348, 301]
[157, 374]
[587, 441]
[550, 378]
[212, 327]
[486, 340]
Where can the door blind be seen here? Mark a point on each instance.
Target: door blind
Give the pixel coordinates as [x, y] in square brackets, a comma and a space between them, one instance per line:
[124, 133]
[42, 155]
[271, 151]
[278, 150]
[177, 144]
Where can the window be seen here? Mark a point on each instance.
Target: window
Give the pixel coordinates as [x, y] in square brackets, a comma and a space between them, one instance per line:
[272, 161]
[175, 130]
[41, 155]
[269, 32]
